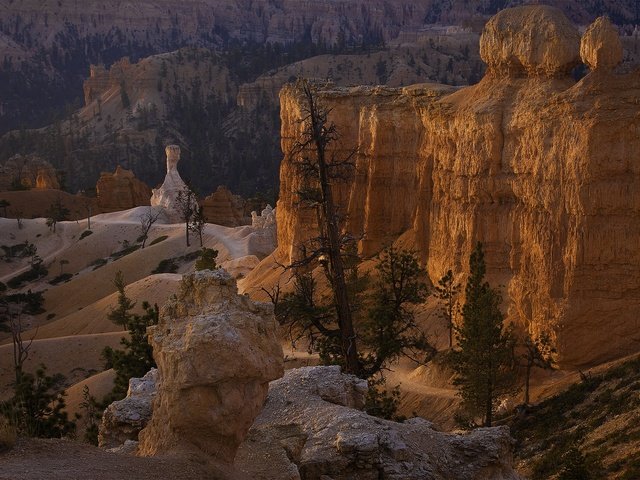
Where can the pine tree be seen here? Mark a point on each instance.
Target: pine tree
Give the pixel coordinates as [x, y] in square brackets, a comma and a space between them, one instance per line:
[390, 332]
[207, 259]
[483, 362]
[447, 291]
[4, 204]
[37, 408]
[121, 315]
[136, 359]
[538, 353]
[56, 212]
[186, 205]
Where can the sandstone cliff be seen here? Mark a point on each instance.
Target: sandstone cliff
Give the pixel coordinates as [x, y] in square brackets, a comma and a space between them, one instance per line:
[224, 208]
[541, 169]
[121, 190]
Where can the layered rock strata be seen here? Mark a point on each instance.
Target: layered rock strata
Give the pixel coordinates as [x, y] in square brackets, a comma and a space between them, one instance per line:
[216, 352]
[311, 428]
[121, 190]
[543, 170]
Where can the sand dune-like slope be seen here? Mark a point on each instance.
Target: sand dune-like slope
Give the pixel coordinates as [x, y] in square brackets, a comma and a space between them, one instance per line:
[76, 357]
[92, 319]
[71, 334]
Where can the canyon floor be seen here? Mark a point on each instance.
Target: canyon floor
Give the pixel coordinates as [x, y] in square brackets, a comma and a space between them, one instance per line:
[75, 318]
[36, 459]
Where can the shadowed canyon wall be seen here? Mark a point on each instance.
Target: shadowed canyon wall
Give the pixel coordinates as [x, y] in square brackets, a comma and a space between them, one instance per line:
[543, 170]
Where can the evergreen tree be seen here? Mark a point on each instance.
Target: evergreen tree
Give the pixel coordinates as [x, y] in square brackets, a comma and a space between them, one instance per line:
[124, 96]
[484, 361]
[186, 205]
[137, 357]
[447, 291]
[207, 259]
[4, 204]
[121, 315]
[538, 353]
[321, 168]
[56, 212]
[37, 407]
[386, 331]
[389, 331]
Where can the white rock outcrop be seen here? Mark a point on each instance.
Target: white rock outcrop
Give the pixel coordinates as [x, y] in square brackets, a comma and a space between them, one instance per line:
[310, 428]
[264, 240]
[167, 195]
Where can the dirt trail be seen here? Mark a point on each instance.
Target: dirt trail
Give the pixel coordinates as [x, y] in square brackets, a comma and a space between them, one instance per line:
[39, 459]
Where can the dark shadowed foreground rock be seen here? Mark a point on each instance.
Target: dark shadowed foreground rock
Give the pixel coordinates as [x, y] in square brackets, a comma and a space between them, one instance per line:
[123, 420]
[216, 353]
[310, 430]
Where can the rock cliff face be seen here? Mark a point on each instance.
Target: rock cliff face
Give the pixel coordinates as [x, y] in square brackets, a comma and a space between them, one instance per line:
[198, 22]
[311, 428]
[216, 352]
[121, 190]
[541, 169]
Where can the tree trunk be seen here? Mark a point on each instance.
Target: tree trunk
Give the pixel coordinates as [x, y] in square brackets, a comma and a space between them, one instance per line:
[489, 412]
[345, 323]
[526, 384]
[450, 326]
[187, 233]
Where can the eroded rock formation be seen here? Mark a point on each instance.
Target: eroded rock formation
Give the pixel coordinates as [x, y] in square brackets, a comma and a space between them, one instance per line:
[541, 169]
[167, 195]
[121, 190]
[216, 352]
[100, 79]
[311, 428]
[601, 47]
[123, 420]
[28, 171]
[224, 208]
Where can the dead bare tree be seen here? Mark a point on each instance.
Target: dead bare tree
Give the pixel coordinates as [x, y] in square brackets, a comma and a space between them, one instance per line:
[320, 169]
[198, 222]
[19, 215]
[186, 204]
[87, 204]
[147, 220]
[12, 314]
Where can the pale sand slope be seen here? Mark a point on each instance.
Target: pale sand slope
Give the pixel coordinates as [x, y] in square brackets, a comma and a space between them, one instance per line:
[91, 319]
[72, 341]
[98, 386]
[238, 248]
[76, 357]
